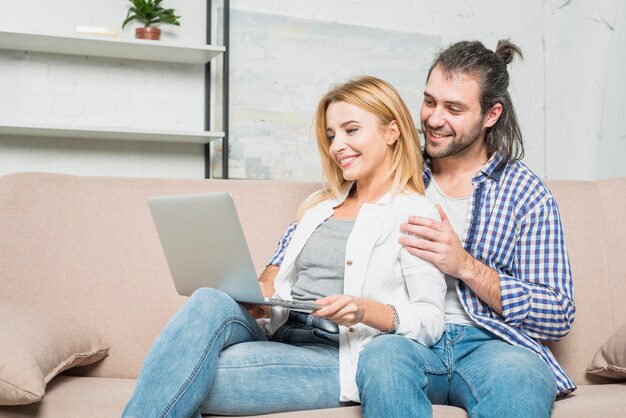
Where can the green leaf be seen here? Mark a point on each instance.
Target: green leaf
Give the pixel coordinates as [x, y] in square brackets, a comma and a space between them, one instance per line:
[149, 12]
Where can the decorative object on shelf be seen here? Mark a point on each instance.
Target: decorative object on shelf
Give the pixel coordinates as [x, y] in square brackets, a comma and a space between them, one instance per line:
[96, 30]
[150, 12]
[65, 126]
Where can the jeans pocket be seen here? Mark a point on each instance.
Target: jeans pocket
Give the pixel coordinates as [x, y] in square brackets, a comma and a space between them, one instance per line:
[299, 334]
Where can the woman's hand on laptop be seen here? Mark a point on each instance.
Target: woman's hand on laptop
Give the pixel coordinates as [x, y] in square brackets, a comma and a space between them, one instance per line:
[348, 310]
[345, 310]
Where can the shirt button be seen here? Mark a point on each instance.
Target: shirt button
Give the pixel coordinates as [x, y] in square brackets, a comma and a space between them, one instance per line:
[351, 329]
[349, 263]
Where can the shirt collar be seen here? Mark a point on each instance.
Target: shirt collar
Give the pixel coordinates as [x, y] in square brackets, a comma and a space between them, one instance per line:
[493, 169]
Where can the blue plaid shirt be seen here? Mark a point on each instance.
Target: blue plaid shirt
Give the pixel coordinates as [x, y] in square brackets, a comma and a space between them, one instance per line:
[515, 229]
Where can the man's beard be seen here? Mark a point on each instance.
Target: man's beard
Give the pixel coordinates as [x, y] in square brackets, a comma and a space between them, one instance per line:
[456, 145]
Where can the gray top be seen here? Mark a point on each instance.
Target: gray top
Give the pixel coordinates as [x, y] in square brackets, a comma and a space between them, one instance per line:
[320, 264]
[456, 210]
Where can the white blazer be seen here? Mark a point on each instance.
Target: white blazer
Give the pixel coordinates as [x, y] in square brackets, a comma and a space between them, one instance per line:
[377, 267]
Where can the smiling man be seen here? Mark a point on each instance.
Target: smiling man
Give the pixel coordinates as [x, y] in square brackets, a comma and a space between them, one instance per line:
[501, 247]
[500, 244]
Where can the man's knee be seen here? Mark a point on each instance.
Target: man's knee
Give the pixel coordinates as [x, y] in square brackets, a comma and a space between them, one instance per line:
[525, 370]
[517, 383]
[532, 378]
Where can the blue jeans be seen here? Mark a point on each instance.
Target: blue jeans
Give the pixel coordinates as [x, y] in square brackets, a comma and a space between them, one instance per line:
[213, 357]
[469, 367]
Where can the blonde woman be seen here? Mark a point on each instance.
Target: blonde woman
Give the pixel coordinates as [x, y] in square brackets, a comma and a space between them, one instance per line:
[214, 357]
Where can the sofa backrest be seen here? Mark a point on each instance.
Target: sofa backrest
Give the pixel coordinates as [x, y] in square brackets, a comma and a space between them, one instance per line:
[85, 248]
[595, 235]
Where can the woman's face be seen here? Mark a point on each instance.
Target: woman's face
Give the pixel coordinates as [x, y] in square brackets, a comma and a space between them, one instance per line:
[358, 143]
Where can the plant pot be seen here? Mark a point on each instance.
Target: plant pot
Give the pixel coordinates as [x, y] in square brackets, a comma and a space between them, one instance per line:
[153, 34]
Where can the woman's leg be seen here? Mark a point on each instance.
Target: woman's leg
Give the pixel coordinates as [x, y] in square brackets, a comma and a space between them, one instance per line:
[180, 367]
[269, 377]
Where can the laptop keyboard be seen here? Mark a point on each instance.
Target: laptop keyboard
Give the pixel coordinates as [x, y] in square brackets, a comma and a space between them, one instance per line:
[292, 302]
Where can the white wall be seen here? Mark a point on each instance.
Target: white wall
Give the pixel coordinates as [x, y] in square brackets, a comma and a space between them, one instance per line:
[613, 138]
[40, 88]
[569, 91]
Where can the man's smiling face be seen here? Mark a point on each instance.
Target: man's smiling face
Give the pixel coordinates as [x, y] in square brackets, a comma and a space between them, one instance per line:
[451, 116]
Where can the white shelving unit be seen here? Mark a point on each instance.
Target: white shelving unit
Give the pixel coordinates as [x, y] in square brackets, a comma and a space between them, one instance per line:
[102, 132]
[99, 46]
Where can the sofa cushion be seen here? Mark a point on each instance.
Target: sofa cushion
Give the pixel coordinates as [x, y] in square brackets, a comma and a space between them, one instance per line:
[610, 359]
[592, 401]
[35, 347]
[98, 397]
[77, 397]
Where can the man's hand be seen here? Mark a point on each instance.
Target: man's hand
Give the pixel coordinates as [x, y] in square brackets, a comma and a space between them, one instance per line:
[438, 243]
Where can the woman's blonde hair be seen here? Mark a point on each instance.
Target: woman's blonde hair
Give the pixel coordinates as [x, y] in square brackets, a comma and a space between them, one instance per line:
[383, 100]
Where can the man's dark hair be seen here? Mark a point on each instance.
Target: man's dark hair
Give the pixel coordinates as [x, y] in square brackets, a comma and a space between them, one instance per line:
[489, 69]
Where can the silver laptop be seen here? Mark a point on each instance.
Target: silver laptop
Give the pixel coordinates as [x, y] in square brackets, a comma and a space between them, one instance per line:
[205, 246]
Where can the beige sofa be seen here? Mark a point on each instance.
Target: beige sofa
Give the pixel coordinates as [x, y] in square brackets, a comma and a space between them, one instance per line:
[84, 250]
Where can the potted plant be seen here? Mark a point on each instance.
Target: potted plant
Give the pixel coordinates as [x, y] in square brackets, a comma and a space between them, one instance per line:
[150, 12]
